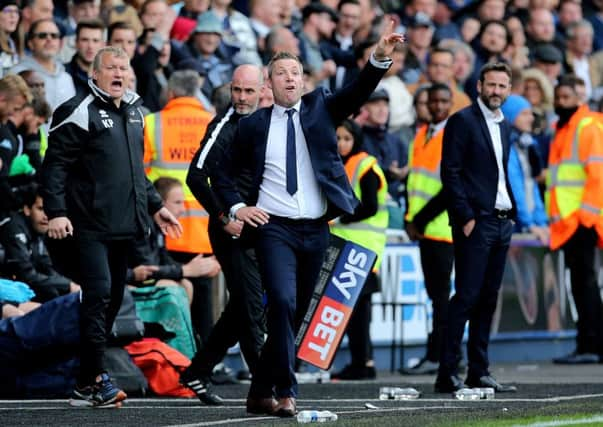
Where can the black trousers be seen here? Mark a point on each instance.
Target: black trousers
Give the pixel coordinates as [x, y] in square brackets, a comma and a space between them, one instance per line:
[243, 319]
[202, 304]
[579, 253]
[358, 329]
[479, 265]
[436, 261]
[290, 254]
[101, 273]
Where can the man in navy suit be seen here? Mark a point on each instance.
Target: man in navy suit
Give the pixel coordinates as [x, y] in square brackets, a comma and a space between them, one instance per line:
[298, 183]
[480, 205]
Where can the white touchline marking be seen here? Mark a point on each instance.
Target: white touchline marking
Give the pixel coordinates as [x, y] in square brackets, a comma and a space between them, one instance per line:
[578, 421]
[250, 418]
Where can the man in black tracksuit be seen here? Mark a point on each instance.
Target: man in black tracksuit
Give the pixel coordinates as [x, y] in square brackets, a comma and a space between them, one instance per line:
[243, 317]
[95, 190]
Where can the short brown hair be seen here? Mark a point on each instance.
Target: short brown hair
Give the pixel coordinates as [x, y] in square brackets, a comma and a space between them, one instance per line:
[164, 184]
[495, 66]
[14, 85]
[283, 55]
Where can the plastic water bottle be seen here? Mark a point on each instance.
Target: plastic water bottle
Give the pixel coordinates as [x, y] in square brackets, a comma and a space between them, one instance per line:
[486, 393]
[468, 394]
[315, 417]
[397, 393]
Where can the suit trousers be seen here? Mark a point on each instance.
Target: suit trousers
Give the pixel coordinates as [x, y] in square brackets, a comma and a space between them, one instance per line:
[437, 258]
[579, 253]
[479, 265]
[243, 319]
[102, 267]
[290, 254]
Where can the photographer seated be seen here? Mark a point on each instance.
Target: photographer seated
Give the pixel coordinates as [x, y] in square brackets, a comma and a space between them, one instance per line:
[155, 266]
[27, 257]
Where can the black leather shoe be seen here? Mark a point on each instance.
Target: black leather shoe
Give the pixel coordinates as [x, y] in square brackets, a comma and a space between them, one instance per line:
[489, 381]
[575, 358]
[200, 386]
[448, 384]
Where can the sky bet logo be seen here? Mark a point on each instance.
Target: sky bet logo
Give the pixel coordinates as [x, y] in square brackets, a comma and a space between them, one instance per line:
[344, 281]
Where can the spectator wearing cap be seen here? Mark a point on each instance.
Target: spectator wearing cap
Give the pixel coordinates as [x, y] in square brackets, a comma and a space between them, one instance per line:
[489, 46]
[8, 25]
[238, 38]
[341, 45]
[89, 38]
[578, 58]
[549, 60]
[187, 18]
[203, 47]
[44, 40]
[440, 69]
[524, 166]
[318, 25]
[401, 111]
[263, 15]
[78, 10]
[383, 145]
[419, 38]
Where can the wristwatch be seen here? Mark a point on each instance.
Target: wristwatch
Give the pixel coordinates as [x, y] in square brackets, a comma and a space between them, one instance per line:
[224, 219]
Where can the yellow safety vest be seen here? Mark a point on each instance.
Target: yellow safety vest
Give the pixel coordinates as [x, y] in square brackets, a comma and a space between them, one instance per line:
[171, 138]
[424, 182]
[369, 232]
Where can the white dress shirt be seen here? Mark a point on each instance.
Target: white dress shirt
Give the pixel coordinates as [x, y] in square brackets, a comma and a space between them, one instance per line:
[308, 202]
[493, 120]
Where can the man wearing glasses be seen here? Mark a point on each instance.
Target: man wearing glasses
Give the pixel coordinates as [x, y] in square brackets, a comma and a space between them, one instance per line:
[44, 42]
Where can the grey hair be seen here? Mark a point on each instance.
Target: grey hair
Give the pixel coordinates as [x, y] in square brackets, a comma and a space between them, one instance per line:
[583, 23]
[184, 83]
[115, 51]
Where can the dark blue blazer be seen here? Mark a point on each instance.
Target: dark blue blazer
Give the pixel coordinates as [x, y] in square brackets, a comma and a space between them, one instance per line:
[469, 172]
[320, 112]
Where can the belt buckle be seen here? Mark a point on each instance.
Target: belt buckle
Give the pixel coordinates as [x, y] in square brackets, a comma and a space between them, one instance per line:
[502, 214]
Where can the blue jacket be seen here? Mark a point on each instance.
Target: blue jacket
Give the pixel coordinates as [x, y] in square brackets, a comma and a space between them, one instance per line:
[525, 217]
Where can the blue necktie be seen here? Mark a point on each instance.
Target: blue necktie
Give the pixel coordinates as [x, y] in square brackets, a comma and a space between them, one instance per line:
[291, 164]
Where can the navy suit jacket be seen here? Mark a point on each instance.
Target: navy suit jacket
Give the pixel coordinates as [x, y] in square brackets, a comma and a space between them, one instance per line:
[469, 172]
[320, 112]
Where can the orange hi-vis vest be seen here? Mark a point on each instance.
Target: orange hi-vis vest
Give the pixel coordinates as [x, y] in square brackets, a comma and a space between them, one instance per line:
[171, 139]
[424, 183]
[575, 177]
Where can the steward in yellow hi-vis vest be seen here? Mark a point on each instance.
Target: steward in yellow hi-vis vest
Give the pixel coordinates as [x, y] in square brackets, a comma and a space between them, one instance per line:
[427, 221]
[366, 227]
[574, 202]
[171, 139]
